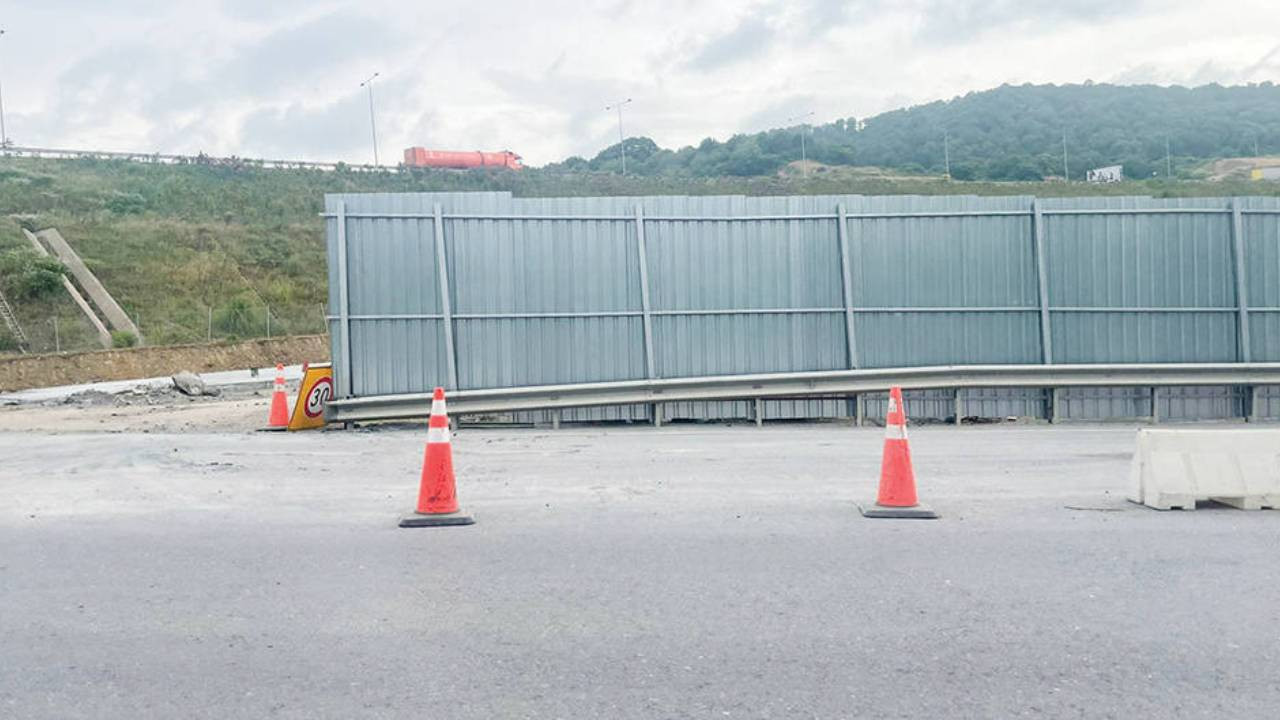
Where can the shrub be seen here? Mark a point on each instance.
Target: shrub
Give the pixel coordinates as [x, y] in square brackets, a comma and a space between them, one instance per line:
[239, 317]
[30, 276]
[123, 339]
[122, 203]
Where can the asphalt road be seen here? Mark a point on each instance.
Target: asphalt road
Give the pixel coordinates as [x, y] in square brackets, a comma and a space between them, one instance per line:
[688, 572]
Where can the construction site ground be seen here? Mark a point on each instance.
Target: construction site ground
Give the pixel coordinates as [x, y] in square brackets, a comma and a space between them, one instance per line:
[175, 563]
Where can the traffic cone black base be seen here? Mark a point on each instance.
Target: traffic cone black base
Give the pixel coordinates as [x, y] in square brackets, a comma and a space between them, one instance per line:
[915, 512]
[436, 520]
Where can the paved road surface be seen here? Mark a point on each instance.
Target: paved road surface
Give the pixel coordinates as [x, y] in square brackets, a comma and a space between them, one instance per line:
[688, 572]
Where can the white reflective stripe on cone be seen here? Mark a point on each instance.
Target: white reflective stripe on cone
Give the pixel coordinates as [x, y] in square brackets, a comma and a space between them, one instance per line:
[895, 432]
[437, 407]
[438, 435]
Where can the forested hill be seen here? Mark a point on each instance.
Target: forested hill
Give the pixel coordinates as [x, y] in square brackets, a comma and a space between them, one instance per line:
[1008, 133]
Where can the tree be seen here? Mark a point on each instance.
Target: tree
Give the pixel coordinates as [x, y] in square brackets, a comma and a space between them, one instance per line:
[1007, 133]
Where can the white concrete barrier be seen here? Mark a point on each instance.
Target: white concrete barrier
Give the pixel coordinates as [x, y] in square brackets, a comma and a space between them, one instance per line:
[1239, 467]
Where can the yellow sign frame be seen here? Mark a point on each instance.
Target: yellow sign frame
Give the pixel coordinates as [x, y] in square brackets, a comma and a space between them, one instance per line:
[314, 393]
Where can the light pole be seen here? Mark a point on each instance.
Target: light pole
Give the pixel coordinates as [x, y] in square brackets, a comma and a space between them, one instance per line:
[4, 137]
[946, 153]
[804, 163]
[372, 125]
[1066, 171]
[622, 141]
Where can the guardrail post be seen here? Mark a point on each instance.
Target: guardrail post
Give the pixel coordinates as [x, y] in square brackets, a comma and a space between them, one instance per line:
[344, 303]
[646, 310]
[1055, 399]
[846, 277]
[1155, 405]
[1242, 283]
[759, 412]
[1042, 282]
[959, 407]
[859, 410]
[1251, 412]
[446, 305]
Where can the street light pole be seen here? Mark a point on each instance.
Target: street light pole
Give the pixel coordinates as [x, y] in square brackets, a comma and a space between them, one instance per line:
[946, 153]
[372, 125]
[622, 141]
[4, 136]
[1066, 170]
[804, 161]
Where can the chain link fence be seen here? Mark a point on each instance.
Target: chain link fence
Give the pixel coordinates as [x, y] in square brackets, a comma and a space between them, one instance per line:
[230, 321]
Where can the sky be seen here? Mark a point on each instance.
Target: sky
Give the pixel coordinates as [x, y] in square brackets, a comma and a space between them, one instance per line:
[281, 78]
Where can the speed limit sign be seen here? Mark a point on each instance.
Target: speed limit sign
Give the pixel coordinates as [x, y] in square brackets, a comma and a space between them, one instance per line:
[315, 393]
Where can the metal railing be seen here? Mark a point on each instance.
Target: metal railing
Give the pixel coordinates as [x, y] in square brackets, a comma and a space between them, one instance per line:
[806, 384]
[201, 159]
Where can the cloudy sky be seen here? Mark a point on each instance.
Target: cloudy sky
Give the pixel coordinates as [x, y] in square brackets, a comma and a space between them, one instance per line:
[280, 78]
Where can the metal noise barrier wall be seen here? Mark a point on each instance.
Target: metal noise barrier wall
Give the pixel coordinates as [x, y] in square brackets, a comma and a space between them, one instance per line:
[483, 290]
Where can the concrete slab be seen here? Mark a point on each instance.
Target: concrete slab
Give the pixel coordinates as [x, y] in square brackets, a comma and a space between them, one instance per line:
[224, 379]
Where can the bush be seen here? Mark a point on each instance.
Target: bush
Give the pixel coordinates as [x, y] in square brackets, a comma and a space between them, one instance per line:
[239, 317]
[122, 203]
[30, 276]
[123, 339]
[7, 341]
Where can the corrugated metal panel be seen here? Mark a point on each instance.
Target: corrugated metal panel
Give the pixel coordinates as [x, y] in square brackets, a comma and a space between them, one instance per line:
[1104, 402]
[1268, 403]
[945, 262]
[1174, 270]
[742, 285]
[1262, 270]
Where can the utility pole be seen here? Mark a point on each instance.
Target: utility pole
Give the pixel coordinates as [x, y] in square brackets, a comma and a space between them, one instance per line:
[1168, 160]
[372, 125]
[1066, 172]
[946, 153]
[804, 161]
[622, 141]
[4, 136]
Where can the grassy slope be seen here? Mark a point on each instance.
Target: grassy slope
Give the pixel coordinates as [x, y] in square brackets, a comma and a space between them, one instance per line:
[172, 241]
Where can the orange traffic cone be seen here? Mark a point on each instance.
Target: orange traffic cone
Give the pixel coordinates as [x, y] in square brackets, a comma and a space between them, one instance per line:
[897, 497]
[278, 419]
[437, 496]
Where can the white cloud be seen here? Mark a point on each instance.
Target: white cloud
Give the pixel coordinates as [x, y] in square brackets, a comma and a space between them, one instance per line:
[269, 79]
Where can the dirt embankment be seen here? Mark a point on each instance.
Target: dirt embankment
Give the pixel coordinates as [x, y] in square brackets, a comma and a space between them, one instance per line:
[30, 371]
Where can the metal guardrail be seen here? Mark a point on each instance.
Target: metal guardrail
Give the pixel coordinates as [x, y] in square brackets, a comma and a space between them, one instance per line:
[804, 384]
[168, 159]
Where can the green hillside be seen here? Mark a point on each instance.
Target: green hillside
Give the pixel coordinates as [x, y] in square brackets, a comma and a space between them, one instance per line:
[180, 245]
[1008, 133]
